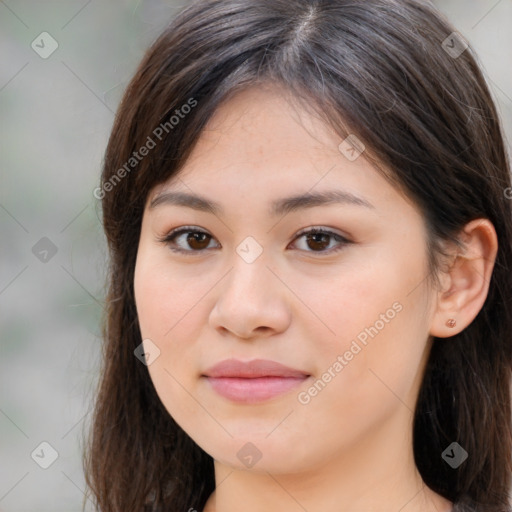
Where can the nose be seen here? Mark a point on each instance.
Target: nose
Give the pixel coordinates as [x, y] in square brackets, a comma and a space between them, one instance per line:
[251, 301]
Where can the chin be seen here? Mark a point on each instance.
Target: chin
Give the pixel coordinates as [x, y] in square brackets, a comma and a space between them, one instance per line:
[261, 454]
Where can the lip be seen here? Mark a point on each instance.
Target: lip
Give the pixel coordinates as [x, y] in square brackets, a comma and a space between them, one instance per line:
[253, 381]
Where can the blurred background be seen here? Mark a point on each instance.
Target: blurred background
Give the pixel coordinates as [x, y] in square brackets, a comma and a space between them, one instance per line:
[63, 68]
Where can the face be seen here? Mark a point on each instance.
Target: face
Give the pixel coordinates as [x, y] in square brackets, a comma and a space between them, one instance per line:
[345, 309]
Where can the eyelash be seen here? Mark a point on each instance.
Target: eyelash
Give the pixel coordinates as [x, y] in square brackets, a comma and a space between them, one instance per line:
[169, 239]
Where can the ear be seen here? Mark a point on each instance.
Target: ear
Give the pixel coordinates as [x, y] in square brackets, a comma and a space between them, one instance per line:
[466, 283]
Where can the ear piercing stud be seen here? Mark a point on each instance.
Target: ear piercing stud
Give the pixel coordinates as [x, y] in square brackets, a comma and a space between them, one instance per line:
[451, 322]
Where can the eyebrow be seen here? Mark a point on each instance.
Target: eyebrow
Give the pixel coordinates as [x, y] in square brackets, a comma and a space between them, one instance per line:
[278, 207]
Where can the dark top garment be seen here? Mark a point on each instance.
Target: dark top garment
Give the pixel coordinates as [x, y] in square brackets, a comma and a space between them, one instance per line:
[460, 506]
[463, 504]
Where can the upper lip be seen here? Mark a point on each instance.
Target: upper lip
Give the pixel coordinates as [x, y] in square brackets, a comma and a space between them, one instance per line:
[252, 369]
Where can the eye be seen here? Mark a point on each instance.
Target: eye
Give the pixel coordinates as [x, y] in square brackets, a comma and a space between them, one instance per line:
[316, 238]
[197, 240]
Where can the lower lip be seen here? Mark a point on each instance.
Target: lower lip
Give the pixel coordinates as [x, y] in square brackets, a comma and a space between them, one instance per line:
[253, 390]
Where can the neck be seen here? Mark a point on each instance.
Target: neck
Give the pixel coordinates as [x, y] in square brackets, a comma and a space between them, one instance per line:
[378, 473]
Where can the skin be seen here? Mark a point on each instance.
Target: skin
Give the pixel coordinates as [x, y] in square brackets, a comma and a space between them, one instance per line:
[350, 447]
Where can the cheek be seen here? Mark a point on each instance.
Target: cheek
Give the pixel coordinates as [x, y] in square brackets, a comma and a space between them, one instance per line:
[171, 312]
[367, 374]
[359, 302]
[376, 315]
[165, 299]
[163, 313]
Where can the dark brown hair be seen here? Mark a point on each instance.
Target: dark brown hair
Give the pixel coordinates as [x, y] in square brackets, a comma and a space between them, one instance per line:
[374, 68]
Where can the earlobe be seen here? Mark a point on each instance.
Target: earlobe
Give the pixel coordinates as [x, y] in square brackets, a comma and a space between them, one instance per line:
[451, 323]
[467, 280]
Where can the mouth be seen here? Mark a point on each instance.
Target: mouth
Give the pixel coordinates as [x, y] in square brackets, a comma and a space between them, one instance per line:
[253, 381]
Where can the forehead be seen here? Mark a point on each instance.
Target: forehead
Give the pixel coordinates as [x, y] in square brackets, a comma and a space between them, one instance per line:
[260, 144]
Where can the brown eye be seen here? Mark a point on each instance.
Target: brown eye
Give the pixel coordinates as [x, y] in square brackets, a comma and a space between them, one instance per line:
[189, 240]
[194, 241]
[319, 240]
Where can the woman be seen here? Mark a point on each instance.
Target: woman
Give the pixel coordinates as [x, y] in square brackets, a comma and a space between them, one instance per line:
[308, 215]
